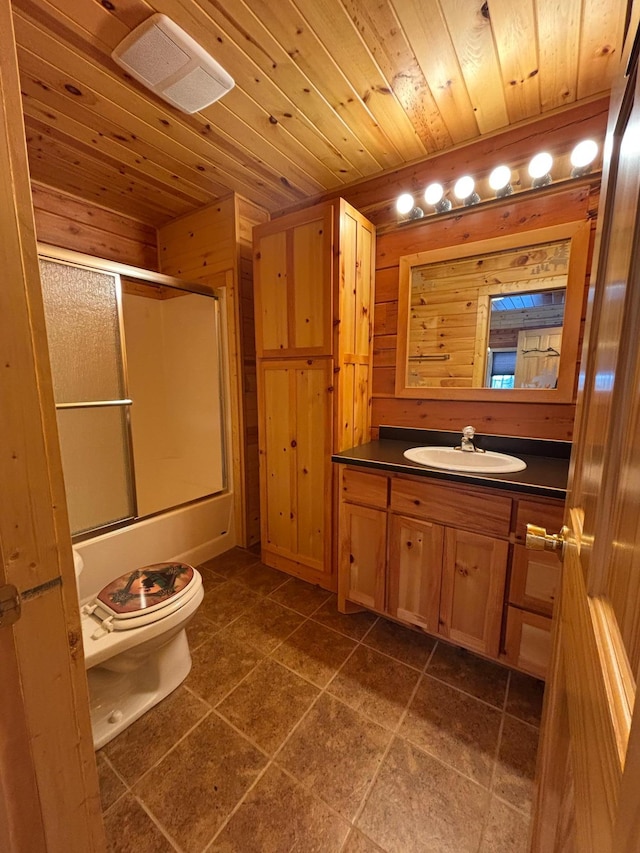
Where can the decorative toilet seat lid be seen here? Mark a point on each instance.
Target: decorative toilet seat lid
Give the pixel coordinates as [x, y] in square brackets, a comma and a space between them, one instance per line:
[147, 590]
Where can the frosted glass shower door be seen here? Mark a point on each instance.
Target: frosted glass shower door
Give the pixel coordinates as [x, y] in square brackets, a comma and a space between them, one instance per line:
[85, 348]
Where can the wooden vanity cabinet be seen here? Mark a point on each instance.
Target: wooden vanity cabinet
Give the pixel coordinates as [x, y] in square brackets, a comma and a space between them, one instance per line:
[313, 288]
[444, 579]
[447, 558]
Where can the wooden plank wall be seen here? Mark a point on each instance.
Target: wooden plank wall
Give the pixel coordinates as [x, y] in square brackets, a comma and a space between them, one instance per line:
[553, 421]
[73, 223]
[248, 215]
[200, 247]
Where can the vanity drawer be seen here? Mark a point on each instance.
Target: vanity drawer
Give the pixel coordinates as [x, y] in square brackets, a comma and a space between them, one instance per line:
[363, 487]
[548, 514]
[528, 641]
[452, 505]
[535, 579]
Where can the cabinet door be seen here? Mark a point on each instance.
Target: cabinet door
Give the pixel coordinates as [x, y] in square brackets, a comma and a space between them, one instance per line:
[415, 569]
[293, 263]
[295, 409]
[363, 541]
[473, 582]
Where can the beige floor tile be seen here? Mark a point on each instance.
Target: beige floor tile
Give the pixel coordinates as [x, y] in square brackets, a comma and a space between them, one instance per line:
[264, 626]
[217, 667]
[226, 602]
[111, 787]
[129, 829]
[261, 579]
[268, 703]
[481, 678]
[210, 579]
[359, 843]
[506, 830]
[314, 652]
[516, 764]
[335, 752]
[455, 728]
[524, 698]
[279, 815]
[144, 743]
[200, 629]
[301, 596]
[375, 685]
[353, 625]
[196, 786]
[231, 562]
[410, 647]
[417, 805]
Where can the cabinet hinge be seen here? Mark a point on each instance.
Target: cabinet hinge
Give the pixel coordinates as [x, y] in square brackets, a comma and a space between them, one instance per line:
[10, 605]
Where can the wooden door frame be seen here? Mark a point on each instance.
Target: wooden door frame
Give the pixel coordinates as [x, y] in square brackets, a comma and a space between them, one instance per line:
[49, 795]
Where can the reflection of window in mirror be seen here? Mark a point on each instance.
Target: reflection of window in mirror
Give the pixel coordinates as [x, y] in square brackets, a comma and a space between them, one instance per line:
[496, 315]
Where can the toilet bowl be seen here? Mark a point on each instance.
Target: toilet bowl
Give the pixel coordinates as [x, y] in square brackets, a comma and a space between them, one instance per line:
[135, 643]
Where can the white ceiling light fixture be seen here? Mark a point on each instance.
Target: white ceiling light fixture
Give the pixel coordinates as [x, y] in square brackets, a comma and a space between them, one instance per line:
[540, 169]
[434, 195]
[500, 181]
[406, 206]
[162, 56]
[464, 190]
[582, 157]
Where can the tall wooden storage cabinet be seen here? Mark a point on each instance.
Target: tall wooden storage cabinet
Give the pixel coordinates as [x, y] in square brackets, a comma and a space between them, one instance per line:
[313, 279]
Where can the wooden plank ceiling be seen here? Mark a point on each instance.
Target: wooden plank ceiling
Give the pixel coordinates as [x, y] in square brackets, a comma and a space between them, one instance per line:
[328, 92]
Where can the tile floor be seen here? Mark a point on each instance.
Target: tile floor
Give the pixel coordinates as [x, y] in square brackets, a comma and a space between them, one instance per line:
[301, 729]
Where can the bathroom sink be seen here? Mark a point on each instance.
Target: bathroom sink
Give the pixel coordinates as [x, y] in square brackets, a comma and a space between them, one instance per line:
[458, 460]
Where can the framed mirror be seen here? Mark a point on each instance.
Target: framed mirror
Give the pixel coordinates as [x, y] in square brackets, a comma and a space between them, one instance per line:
[497, 319]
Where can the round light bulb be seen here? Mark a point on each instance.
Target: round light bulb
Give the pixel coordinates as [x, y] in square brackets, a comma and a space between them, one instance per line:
[404, 203]
[464, 187]
[500, 177]
[433, 194]
[584, 153]
[540, 165]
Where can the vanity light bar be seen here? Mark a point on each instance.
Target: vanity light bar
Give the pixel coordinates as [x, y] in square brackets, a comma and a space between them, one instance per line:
[503, 181]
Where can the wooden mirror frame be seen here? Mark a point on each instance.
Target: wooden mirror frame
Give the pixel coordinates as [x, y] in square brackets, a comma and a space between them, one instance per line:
[578, 234]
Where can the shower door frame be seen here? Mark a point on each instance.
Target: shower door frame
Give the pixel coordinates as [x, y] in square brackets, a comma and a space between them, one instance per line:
[79, 260]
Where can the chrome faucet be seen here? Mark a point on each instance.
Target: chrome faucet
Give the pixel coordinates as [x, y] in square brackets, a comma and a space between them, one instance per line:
[467, 444]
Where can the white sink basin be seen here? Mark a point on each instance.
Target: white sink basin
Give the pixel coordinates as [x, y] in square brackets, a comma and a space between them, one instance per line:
[459, 460]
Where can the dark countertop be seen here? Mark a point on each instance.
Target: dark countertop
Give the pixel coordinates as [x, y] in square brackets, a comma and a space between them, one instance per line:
[547, 461]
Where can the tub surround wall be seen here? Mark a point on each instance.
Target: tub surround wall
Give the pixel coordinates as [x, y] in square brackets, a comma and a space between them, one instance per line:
[213, 245]
[192, 533]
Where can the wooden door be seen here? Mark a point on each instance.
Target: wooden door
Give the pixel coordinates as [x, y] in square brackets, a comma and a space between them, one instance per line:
[49, 799]
[473, 581]
[589, 766]
[293, 273]
[363, 554]
[538, 358]
[295, 414]
[415, 571]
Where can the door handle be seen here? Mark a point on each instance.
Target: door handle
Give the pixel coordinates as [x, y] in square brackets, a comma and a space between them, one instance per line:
[539, 540]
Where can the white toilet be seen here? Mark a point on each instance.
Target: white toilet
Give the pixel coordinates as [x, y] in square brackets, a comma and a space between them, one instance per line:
[135, 643]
